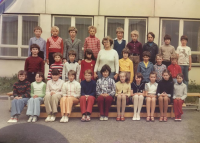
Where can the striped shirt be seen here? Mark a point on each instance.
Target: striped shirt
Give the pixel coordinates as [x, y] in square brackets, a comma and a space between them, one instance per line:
[93, 44]
[56, 65]
[71, 89]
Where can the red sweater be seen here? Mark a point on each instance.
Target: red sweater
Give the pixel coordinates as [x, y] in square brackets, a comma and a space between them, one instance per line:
[34, 64]
[174, 69]
[86, 66]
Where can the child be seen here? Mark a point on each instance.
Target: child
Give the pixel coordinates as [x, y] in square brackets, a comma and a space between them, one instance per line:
[174, 68]
[54, 44]
[150, 96]
[165, 94]
[73, 43]
[88, 93]
[53, 95]
[71, 65]
[166, 50]
[123, 89]
[92, 42]
[151, 47]
[136, 50]
[105, 90]
[34, 63]
[180, 93]
[126, 65]
[39, 41]
[87, 63]
[119, 42]
[71, 92]
[57, 65]
[159, 67]
[38, 90]
[137, 93]
[21, 93]
[184, 58]
[145, 67]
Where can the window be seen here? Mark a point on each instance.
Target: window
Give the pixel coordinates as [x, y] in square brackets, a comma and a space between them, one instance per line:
[16, 30]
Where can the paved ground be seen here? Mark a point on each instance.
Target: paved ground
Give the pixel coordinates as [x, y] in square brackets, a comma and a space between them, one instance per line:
[187, 131]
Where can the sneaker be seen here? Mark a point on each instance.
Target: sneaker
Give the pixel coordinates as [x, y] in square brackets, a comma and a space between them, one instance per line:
[15, 119]
[138, 117]
[62, 119]
[134, 117]
[11, 120]
[30, 119]
[53, 118]
[179, 119]
[88, 118]
[66, 119]
[105, 118]
[48, 119]
[83, 119]
[34, 119]
[101, 118]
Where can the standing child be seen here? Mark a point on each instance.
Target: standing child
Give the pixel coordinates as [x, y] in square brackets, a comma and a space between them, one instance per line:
[38, 90]
[53, 95]
[165, 94]
[39, 41]
[105, 91]
[54, 44]
[123, 89]
[34, 63]
[88, 93]
[21, 93]
[71, 92]
[57, 65]
[159, 67]
[119, 42]
[137, 93]
[180, 93]
[92, 42]
[87, 63]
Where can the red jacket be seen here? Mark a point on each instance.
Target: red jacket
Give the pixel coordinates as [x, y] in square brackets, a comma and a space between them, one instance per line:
[174, 69]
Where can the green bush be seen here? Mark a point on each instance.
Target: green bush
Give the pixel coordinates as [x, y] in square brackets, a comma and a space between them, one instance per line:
[6, 83]
[193, 88]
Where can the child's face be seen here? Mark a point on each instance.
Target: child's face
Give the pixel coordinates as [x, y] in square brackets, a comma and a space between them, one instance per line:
[55, 77]
[146, 58]
[35, 51]
[92, 32]
[165, 76]
[152, 78]
[125, 55]
[37, 33]
[122, 77]
[72, 58]
[159, 60]
[120, 35]
[88, 77]
[71, 77]
[183, 42]
[106, 43]
[38, 78]
[89, 56]
[134, 37]
[174, 61]
[72, 34]
[150, 38]
[105, 73]
[138, 79]
[167, 41]
[179, 79]
[54, 32]
[22, 77]
[57, 58]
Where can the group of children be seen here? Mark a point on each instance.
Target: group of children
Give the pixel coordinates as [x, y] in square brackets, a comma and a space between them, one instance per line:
[71, 79]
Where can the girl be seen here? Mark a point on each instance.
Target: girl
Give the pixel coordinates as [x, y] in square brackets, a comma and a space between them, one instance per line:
[159, 67]
[165, 94]
[71, 93]
[123, 89]
[137, 92]
[38, 89]
[150, 93]
[87, 64]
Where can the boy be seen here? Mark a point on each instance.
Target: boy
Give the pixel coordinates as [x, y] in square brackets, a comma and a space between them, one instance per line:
[33, 64]
[151, 47]
[92, 42]
[145, 67]
[184, 58]
[54, 44]
[159, 67]
[39, 41]
[167, 50]
[73, 43]
[126, 65]
[105, 91]
[119, 42]
[57, 65]
[53, 95]
[21, 93]
[71, 65]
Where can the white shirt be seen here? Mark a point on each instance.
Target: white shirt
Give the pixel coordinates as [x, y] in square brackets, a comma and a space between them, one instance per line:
[71, 89]
[54, 86]
[184, 53]
[151, 88]
[70, 66]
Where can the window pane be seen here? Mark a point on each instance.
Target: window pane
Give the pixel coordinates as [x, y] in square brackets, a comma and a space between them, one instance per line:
[28, 25]
[10, 30]
[24, 52]
[112, 26]
[63, 23]
[192, 31]
[171, 27]
[5, 51]
[195, 58]
[140, 26]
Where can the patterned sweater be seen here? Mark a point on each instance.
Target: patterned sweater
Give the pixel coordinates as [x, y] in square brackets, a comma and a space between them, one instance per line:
[92, 43]
[159, 69]
[22, 89]
[56, 65]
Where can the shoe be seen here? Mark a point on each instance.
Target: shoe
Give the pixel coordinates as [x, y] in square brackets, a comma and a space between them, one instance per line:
[105, 118]
[30, 119]
[134, 117]
[53, 118]
[15, 119]
[87, 119]
[138, 117]
[48, 119]
[122, 118]
[148, 119]
[11, 120]
[179, 118]
[34, 119]
[161, 119]
[62, 119]
[118, 118]
[176, 118]
[152, 119]
[101, 118]
[83, 119]
[66, 119]
[165, 119]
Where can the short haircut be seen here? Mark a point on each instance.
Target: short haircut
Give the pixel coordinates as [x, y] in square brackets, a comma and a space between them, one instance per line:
[72, 72]
[159, 55]
[55, 28]
[57, 54]
[72, 52]
[40, 74]
[152, 34]
[126, 50]
[72, 29]
[181, 75]
[22, 72]
[89, 51]
[55, 72]
[105, 68]
[34, 46]
[92, 27]
[146, 53]
[127, 80]
[119, 29]
[152, 73]
[135, 32]
[38, 28]
[174, 56]
[184, 38]
[139, 75]
[167, 37]
[166, 71]
[88, 72]
[106, 39]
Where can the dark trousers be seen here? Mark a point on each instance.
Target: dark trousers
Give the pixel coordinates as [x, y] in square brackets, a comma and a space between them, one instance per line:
[166, 63]
[31, 76]
[104, 103]
[51, 59]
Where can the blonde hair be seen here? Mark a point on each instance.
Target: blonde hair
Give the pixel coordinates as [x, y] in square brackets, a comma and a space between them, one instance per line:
[135, 32]
[119, 29]
[174, 56]
[72, 29]
[55, 28]
[38, 28]
[127, 80]
[92, 27]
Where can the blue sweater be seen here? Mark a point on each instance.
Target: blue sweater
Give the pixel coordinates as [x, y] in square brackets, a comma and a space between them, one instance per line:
[137, 89]
[119, 47]
[88, 88]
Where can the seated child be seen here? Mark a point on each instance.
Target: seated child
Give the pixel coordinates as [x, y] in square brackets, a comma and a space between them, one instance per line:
[123, 89]
[53, 95]
[105, 91]
[137, 93]
[21, 93]
[159, 67]
[38, 90]
[88, 93]
[180, 93]
[71, 92]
